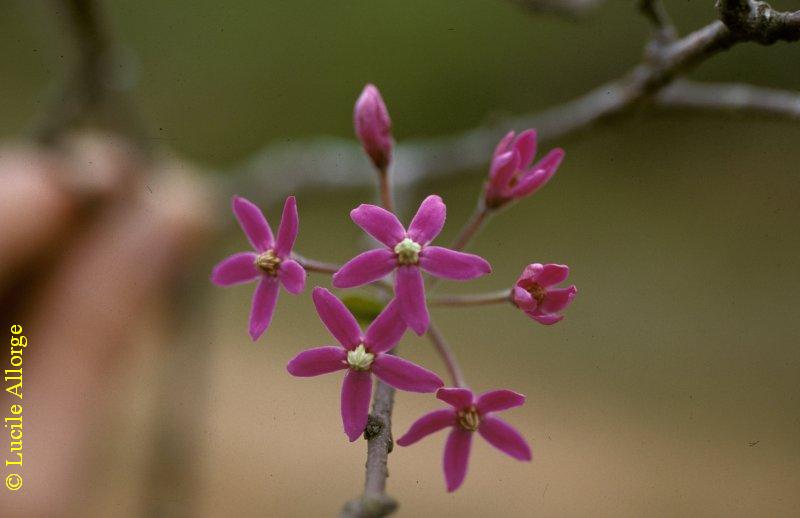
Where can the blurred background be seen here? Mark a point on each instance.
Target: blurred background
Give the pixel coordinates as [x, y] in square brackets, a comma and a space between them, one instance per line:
[670, 388]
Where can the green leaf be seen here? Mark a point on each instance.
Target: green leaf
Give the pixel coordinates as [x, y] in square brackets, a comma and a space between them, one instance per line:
[363, 307]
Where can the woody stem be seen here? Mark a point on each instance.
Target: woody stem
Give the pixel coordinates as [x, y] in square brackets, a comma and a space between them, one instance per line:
[448, 357]
[385, 189]
[472, 227]
[477, 299]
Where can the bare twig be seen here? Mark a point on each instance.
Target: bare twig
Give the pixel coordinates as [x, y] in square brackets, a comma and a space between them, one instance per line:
[312, 265]
[448, 357]
[375, 503]
[757, 21]
[90, 88]
[664, 30]
[339, 162]
[472, 227]
[480, 299]
[386, 190]
[730, 96]
[569, 8]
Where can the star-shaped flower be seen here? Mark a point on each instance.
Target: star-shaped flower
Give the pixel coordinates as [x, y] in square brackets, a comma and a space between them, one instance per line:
[361, 355]
[408, 251]
[270, 264]
[535, 294]
[469, 415]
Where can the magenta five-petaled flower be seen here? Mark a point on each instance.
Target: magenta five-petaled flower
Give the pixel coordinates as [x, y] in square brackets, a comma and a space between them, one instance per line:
[361, 355]
[535, 294]
[467, 416]
[511, 175]
[373, 126]
[407, 252]
[270, 263]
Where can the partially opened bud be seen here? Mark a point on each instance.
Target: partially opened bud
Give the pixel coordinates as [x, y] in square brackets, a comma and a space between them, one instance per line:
[373, 126]
[512, 175]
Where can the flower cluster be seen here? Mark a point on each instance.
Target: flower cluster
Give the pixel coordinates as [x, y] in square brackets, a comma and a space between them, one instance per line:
[406, 253]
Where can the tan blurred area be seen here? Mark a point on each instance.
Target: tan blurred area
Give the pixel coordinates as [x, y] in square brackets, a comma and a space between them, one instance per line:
[93, 239]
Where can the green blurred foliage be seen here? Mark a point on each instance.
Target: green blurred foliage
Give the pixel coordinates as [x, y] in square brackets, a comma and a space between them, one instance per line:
[218, 80]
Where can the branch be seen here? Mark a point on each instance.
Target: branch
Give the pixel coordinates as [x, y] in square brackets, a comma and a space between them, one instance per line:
[340, 162]
[663, 28]
[375, 503]
[480, 299]
[90, 87]
[570, 8]
[758, 21]
[447, 355]
[730, 96]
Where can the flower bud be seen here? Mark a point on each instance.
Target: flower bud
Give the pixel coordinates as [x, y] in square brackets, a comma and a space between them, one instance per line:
[513, 175]
[373, 126]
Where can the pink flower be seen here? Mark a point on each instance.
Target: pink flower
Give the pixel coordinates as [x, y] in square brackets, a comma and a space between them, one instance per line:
[467, 416]
[407, 252]
[535, 295]
[269, 264]
[361, 355]
[511, 175]
[373, 126]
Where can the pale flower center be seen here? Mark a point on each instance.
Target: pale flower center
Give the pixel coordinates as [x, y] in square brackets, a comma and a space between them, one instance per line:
[469, 419]
[407, 252]
[268, 263]
[359, 359]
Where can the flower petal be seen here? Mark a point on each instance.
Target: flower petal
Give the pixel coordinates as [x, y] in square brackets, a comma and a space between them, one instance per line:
[530, 183]
[428, 221]
[287, 231]
[356, 393]
[320, 360]
[496, 400]
[337, 318]
[264, 300]
[505, 438]
[235, 269]
[410, 293]
[502, 170]
[379, 223]
[526, 147]
[386, 330]
[504, 144]
[429, 423]
[551, 160]
[546, 319]
[292, 275]
[456, 457]
[365, 268]
[443, 262]
[541, 173]
[523, 299]
[253, 223]
[552, 274]
[456, 397]
[404, 375]
[558, 299]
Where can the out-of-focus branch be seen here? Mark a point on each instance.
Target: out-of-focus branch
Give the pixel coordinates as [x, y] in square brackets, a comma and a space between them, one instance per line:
[730, 96]
[664, 30]
[90, 88]
[571, 8]
[339, 162]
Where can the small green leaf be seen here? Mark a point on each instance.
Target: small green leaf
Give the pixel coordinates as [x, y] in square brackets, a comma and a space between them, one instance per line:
[363, 307]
